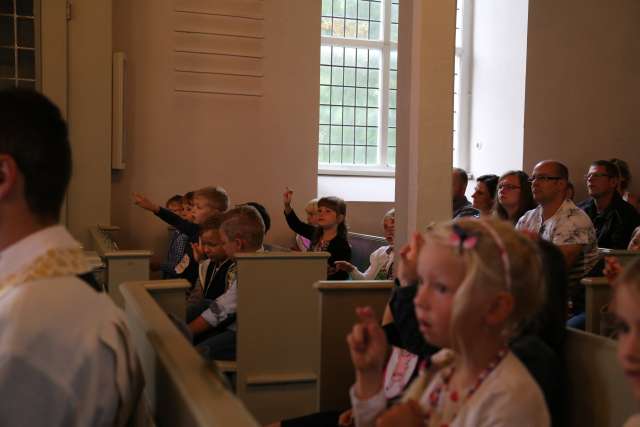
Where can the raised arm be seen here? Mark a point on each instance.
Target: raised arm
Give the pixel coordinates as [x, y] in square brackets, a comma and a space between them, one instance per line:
[294, 223]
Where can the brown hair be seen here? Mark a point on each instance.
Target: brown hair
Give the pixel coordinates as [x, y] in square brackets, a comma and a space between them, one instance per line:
[245, 223]
[211, 223]
[525, 202]
[337, 205]
[216, 197]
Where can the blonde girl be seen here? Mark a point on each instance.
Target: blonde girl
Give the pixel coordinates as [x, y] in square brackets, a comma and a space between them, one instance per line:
[479, 281]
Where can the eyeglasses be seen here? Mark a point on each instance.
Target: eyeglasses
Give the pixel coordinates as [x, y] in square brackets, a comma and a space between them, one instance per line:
[543, 178]
[589, 176]
[508, 187]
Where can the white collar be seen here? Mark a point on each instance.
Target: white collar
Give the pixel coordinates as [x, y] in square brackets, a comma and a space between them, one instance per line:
[19, 255]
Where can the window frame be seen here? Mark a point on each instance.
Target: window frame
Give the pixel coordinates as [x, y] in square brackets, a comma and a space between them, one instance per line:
[386, 46]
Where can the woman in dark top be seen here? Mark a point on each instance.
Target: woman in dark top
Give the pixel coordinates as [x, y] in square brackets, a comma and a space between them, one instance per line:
[514, 196]
[329, 235]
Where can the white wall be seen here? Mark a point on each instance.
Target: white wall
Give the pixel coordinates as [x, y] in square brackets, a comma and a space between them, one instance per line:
[498, 85]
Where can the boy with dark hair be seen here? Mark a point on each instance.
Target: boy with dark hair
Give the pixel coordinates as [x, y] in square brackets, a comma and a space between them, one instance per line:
[242, 230]
[177, 242]
[65, 358]
[206, 202]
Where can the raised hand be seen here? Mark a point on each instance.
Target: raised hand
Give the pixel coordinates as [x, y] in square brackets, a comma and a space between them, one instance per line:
[407, 414]
[368, 347]
[346, 418]
[287, 197]
[145, 203]
[407, 270]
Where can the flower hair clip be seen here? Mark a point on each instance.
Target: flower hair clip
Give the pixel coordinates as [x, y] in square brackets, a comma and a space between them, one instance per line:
[462, 239]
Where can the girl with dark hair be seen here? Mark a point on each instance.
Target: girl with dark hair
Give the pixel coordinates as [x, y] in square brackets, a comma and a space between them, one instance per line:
[329, 235]
[485, 194]
[514, 196]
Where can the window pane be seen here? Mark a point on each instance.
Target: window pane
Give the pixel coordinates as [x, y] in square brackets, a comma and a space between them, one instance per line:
[326, 7]
[24, 7]
[336, 134]
[374, 59]
[347, 154]
[361, 97]
[7, 63]
[350, 57]
[374, 30]
[393, 79]
[349, 77]
[325, 114]
[392, 117]
[323, 154]
[336, 116]
[325, 75]
[325, 55]
[361, 77]
[363, 9]
[348, 116]
[374, 77]
[391, 156]
[338, 7]
[325, 94]
[352, 9]
[361, 116]
[372, 117]
[6, 30]
[337, 57]
[374, 11]
[336, 76]
[26, 32]
[349, 96]
[351, 29]
[393, 94]
[360, 155]
[372, 98]
[372, 136]
[7, 83]
[372, 156]
[326, 26]
[336, 154]
[338, 27]
[6, 6]
[363, 29]
[393, 62]
[348, 133]
[363, 58]
[361, 136]
[336, 95]
[324, 134]
[394, 33]
[391, 137]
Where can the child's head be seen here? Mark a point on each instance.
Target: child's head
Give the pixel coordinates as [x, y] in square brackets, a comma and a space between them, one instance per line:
[332, 212]
[210, 238]
[208, 201]
[626, 304]
[312, 212]
[174, 204]
[187, 206]
[242, 230]
[389, 225]
[476, 275]
[266, 218]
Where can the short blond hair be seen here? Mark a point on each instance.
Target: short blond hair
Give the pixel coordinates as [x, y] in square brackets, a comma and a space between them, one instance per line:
[216, 197]
[485, 270]
[245, 223]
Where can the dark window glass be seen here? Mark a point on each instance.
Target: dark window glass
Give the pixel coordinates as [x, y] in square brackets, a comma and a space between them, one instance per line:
[26, 32]
[6, 31]
[7, 63]
[26, 64]
[6, 6]
[24, 7]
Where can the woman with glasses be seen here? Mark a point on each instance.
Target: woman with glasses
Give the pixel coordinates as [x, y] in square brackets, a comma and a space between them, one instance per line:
[514, 196]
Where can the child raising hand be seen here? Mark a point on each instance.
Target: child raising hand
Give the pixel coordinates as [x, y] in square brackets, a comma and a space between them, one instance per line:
[329, 235]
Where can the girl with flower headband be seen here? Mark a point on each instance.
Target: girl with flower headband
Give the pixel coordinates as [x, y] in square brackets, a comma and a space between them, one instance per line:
[479, 281]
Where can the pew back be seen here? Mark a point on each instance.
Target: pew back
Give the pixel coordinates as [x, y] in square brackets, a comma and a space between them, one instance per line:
[277, 330]
[362, 245]
[598, 392]
[625, 257]
[120, 265]
[181, 388]
[337, 304]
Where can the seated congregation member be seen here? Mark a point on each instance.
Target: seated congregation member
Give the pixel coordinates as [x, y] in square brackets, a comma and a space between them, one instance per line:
[187, 206]
[177, 242]
[329, 235]
[302, 243]
[242, 230]
[206, 202]
[626, 305]
[613, 218]
[66, 357]
[625, 183]
[461, 205]
[381, 260]
[215, 270]
[484, 195]
[514, 196]
[561, 222]
[478, 281]
[634, 243]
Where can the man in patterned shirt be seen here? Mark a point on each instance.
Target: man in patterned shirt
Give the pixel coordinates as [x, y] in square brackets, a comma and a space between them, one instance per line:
[558, 220]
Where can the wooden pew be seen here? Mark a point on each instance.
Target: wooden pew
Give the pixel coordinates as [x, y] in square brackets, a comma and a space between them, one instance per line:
[362, 245]
[598, 292]
[119, 265]
[337, 302]
[277, 332]
[599, 395]
[181, 389]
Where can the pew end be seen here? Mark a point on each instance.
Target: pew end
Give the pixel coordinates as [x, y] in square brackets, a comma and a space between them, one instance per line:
[182, 388]
[599, 395]
[337, 302]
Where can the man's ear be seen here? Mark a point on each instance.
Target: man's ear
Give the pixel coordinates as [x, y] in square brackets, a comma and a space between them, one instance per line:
[8, 174]
[500, 309]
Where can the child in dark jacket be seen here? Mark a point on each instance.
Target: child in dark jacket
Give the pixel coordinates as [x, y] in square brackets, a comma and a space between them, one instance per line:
[329, 235]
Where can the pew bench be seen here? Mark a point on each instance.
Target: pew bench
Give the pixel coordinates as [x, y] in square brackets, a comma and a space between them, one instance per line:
[362, 246]
[181, 389]
[598, 393]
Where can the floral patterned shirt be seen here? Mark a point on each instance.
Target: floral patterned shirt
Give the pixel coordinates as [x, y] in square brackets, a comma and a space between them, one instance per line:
[568, 226]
